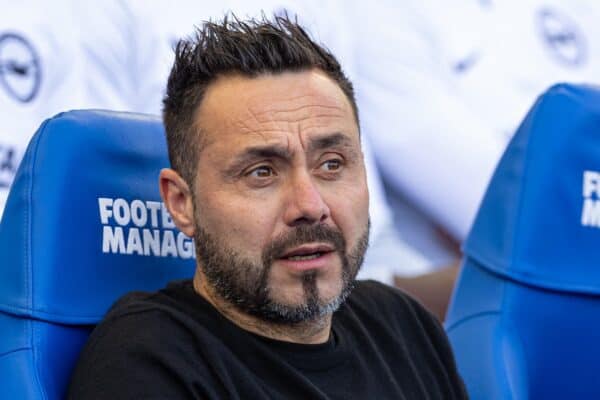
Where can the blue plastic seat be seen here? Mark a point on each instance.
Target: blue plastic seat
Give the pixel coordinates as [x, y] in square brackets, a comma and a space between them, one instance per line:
[524, 320]
[83, 225]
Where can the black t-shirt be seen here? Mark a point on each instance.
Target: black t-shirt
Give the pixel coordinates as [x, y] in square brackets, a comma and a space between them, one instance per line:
[174, 345]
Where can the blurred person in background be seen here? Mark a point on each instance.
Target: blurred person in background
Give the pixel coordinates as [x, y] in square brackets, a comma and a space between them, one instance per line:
[41, 73]
[451, 84]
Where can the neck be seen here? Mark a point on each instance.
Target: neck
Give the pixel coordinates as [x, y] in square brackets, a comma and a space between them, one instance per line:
[308, 332]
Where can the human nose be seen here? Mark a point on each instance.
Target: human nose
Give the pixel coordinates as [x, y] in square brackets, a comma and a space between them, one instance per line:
[305, 203]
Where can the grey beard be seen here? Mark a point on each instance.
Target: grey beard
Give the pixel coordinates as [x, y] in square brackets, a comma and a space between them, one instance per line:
[244, 284]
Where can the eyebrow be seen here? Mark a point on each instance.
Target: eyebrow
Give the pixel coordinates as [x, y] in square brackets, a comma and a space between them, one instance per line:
[333, 140]
[283, 153]
[256, 153]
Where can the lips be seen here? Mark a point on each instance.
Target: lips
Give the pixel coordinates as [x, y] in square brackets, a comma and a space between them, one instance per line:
[307, 252]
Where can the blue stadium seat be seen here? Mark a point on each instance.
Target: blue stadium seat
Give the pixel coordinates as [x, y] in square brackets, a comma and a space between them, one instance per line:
[83, 225]
[524, 320]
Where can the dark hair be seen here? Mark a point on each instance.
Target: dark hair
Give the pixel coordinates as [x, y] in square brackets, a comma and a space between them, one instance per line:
[250, 48]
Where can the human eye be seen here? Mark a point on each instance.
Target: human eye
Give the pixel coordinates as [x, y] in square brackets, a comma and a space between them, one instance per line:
[260, 176]
[262, 171]
[331, 167]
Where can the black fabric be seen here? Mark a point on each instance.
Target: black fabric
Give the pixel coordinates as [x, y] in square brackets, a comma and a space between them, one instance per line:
[173, 344]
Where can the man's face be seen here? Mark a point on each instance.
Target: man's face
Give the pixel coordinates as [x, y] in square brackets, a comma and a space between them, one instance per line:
[280, 199]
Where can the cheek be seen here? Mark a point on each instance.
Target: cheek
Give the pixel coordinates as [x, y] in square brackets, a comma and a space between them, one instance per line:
[350, 211]
[242, 224]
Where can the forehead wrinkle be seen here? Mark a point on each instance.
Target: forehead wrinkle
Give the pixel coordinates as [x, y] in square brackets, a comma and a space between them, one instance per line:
[309, 104]
[273, 113]
[268, 129]
[308, 111]
[273, 128]
[275, 121]
[249, 123]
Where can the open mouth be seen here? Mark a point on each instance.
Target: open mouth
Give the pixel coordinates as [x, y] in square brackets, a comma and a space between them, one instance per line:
[307, 252]
[304, 257]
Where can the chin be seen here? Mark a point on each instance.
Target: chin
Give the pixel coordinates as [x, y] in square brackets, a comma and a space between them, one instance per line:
[287, 296]
[295, 292]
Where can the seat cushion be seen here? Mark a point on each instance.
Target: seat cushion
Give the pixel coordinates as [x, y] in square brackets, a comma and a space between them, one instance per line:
[84, 222]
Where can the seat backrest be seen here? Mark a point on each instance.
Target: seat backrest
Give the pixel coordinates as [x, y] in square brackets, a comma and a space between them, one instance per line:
[83, 225]
[524, 320]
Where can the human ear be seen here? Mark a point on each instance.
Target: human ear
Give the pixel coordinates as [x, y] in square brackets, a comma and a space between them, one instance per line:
[177, 196]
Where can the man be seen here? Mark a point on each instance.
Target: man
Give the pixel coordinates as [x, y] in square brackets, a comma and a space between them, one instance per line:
[268, 177]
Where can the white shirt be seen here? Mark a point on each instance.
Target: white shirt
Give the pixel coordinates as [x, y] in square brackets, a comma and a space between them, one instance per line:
[40, 75]
[443, 87]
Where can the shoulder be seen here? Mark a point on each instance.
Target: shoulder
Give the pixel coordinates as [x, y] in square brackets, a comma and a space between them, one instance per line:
[151, 321]
[138, 323]
[401, 326]
[391, 309]
[145, 346]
